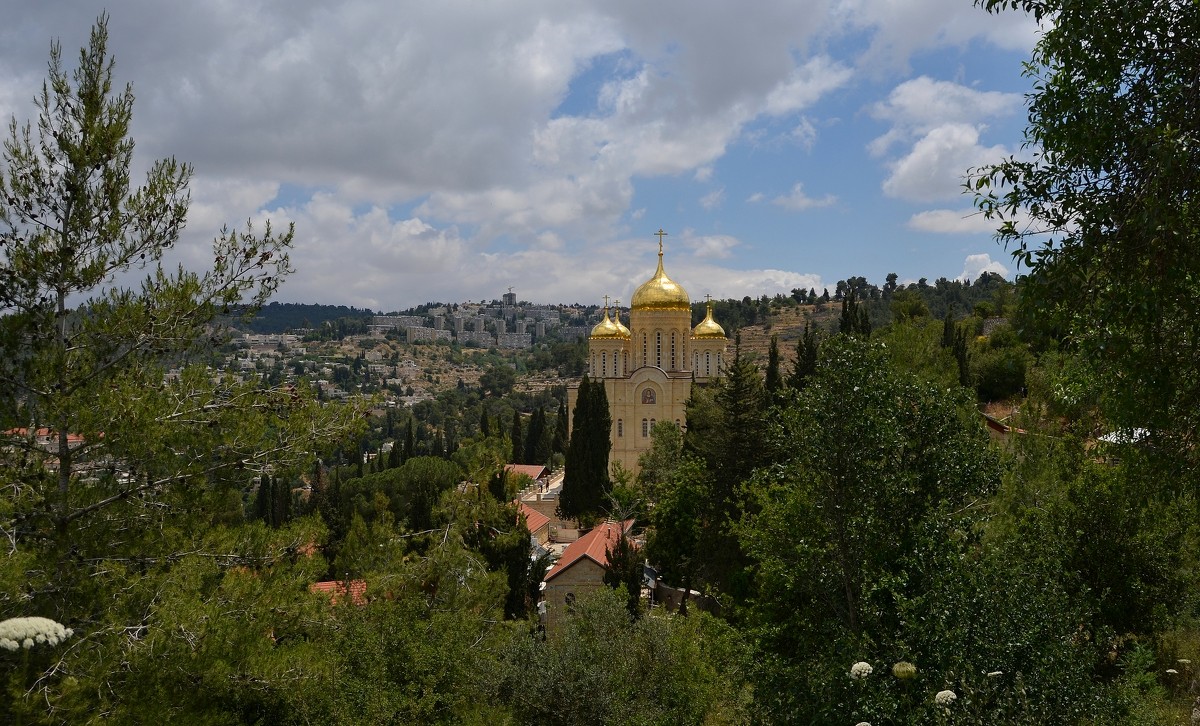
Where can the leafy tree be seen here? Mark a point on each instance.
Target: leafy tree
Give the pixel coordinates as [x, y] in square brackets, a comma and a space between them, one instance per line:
[604, 667]
[865, 544]
[498, 380]
[624, 570]
[1110, 189]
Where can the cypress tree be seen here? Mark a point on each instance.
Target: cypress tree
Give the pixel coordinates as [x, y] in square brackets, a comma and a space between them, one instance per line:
[774, 380]
[262, 499]
[559, 444]
[410, 441]
[585, 484]
[485, 429]
[807, 349]
[518, 441]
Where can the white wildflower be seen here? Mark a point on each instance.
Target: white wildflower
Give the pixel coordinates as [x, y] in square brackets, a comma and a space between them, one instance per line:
[26, 632]
[860, 670]
[1184, 661]
[945, 698]
[1172, 672]
[995, 674]
[863, 723]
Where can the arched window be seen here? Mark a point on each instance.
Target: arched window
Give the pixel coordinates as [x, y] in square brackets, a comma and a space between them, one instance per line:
[678, 424]
[707, 363]
[620, 429]
[645, 360]
[652, 422]
[658, 349]
[645, 428]
[673, 367]
[604, 364]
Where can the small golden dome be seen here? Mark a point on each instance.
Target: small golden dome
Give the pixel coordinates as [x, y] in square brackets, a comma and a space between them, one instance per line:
[606, 329]
[617, 322]
[660, 293]
[708, 328]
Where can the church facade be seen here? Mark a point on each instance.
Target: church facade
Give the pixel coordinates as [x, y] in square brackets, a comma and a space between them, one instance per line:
[649, 367]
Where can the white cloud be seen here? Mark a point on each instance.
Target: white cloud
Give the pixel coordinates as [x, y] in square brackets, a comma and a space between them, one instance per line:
[798, 201]
[713, 199]
[918, 106]
[805, 134]
[952, 221]
[715, 246]
[936, 166]
[805, 85]
[976, 265]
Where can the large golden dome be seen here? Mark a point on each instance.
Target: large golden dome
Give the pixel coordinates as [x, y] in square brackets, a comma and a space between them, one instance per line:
[708, 328]
[607, 329]
[660, 292]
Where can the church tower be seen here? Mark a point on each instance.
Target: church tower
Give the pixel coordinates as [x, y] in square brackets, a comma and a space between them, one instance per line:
[649, 367]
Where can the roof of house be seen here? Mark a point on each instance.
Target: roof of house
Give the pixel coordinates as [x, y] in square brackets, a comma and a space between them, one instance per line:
[534, 519]
[533, 471]
[593, 546]
[337, 588]
[43, 433]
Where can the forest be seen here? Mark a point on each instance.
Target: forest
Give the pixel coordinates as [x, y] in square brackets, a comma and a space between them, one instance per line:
[879, 551]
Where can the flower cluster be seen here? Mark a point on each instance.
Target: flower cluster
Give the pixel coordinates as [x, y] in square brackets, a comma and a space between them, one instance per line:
[26, 632]
[945, 698]
[860, 670]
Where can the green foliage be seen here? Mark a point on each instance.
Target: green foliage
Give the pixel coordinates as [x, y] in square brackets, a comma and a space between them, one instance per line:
[805, 365]
[604, 667]
[1110, 190]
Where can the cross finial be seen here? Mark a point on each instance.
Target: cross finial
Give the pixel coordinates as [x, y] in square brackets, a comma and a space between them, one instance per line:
[606, 302]
[660, 233]
[707, 298]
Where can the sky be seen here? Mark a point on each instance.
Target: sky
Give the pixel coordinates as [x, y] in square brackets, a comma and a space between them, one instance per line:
[447, 151]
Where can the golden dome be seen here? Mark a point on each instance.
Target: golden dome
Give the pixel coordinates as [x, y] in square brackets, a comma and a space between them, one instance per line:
[660, 292]
[708, 328]
[621, 326]
[606, 329]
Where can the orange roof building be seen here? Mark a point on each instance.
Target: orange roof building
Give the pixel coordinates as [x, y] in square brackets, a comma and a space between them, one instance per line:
[581, 569]
[336, 589]
[538, 523]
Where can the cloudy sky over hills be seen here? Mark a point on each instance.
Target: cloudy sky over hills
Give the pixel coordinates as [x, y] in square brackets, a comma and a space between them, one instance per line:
[448, 150]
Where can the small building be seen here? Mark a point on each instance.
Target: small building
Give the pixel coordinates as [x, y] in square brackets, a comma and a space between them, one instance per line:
[538, 523]
[335, 590]
[580, 570]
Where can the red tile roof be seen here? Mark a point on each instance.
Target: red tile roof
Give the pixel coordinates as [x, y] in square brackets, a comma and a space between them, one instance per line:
[45, 434]
[337, 588]
[534, 519]
[533, 471]
[594, 546]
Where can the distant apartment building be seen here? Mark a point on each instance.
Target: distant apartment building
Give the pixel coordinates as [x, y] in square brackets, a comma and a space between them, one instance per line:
[515, 341]
[414, 334]
[383, 323]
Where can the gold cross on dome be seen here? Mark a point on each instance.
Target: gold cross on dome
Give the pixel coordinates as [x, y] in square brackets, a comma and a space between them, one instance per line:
[660, 233]
[606, 302]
